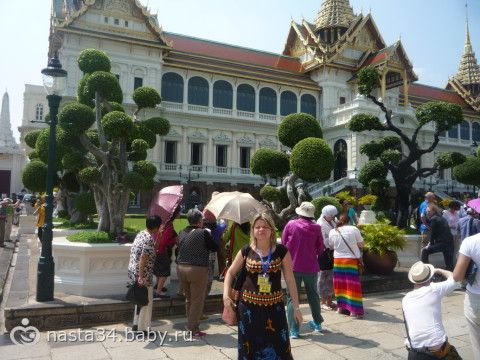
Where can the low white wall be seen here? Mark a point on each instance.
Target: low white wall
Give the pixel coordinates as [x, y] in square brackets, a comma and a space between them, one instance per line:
[411, 253]
[90, 269]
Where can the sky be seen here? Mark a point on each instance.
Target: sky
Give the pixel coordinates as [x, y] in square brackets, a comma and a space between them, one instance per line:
[432, 32]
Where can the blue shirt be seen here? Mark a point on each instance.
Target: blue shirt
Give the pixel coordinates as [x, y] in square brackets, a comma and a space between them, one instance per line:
[422, 209]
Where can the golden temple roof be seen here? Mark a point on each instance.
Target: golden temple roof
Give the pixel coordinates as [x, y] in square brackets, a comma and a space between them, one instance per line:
[335, 13]
[468, 71]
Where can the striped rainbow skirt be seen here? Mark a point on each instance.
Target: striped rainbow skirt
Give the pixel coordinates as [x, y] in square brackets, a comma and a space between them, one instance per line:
[347, 286]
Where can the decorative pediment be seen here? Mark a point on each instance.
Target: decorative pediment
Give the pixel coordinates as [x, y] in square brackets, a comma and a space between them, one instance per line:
[197, 135]
[222, 137]
[267, 142]
[460, 89]
[121, 16]
[174, 133]
[246, 141]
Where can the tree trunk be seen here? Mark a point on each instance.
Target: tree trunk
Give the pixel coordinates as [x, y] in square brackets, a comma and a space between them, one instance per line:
[102, 210]
[402, 203]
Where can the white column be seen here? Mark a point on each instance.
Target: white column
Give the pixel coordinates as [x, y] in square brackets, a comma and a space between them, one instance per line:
[210, 149]
[185, 91]
[233, 161]
[184, 148]
[257, 102]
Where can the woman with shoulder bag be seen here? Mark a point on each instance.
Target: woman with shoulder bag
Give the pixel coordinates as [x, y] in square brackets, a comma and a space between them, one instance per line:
[262, 322]
[347, 241]
[325, 261]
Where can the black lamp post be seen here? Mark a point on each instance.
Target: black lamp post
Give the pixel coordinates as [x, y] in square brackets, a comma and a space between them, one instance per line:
[188, 178]
[54, 78]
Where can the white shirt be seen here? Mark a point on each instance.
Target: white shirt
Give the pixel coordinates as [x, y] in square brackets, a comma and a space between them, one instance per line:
[452, 219]
[351, 235]
[423, 313]
[471, 247]
[326, 226]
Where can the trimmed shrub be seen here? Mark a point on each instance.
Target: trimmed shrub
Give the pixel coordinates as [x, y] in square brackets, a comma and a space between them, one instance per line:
[368, 80]
[84, 96]
[90, 237]
[139, 145]
[376, 186]
[372, 149]
[146, 97]
[270, 193]
[364, 122]
[33, 155]
[443, 114]
[34, 176]
[391, 142]
[449, 160]
[312, 160]
[133, 180]
[117, 124]
[73, 161]
[141, 131]
[114, 107]
[91, 60]
[158, 125]
[391, 156]
[85, 203]
[137, 155]
[322, 201]
[107, 84]
[269, 162]
[145, 168]
[76, 118]
[89, 175]
[31, 138]
[373, 169]
[467, 172]
[296, 127]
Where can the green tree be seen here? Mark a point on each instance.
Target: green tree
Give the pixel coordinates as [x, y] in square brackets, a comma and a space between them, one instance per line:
[100, 158]
[310, 160]
[401, 154]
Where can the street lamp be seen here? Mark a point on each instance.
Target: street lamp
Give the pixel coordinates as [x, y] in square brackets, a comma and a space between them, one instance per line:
[54, 80]
[188, 178]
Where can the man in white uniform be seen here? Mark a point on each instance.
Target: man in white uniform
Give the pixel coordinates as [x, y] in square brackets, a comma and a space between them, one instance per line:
[422, 308]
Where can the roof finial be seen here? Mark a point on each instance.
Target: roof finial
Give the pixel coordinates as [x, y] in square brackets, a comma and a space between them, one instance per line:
[467, 40]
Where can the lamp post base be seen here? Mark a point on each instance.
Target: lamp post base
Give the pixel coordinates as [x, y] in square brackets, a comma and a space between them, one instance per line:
[46, 268]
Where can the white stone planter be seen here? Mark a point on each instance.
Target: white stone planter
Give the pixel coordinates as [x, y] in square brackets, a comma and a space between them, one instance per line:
[367, 217]
[90, 269]
[411, 253]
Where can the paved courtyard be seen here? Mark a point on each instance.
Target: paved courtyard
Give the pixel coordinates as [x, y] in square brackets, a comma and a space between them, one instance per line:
[379, 336]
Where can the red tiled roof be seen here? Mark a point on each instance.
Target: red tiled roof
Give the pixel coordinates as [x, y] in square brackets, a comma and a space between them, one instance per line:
[232, 53]
[435, 94]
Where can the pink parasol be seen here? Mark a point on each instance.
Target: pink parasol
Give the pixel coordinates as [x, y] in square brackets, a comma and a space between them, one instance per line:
[166, 201]
[474, 204]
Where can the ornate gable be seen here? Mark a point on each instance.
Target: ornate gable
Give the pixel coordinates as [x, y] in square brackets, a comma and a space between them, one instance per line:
[120, 18]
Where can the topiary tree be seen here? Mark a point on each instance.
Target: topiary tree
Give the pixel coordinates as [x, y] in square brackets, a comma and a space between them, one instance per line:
[468, 172]
[99, 159]
[322, 201]
[310, 160]
[400, 154]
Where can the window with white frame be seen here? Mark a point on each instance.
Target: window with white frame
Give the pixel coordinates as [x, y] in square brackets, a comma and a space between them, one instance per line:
[222, 155]
[196, 154]
[39, 112]
[245, 157]
[170, 152]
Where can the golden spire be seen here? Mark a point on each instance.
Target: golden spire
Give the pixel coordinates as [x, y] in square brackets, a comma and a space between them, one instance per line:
[468, 72]
[334, 13]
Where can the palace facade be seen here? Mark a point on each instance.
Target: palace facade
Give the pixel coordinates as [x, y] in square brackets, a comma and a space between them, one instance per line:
[225, 101]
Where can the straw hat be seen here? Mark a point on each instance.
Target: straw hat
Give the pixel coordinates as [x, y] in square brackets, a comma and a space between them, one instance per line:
[420, 273]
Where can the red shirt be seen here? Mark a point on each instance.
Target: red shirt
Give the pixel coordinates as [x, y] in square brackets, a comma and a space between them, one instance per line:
[168, 238]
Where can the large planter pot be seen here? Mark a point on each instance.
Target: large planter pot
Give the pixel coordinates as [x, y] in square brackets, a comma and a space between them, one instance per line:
[380, 264]
[90, 269]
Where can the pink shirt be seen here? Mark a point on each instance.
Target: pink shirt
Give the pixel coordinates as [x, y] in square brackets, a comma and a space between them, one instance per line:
[303, 238]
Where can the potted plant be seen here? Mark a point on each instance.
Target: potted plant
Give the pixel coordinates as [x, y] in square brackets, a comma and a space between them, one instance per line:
[381, 242]
[367, 201]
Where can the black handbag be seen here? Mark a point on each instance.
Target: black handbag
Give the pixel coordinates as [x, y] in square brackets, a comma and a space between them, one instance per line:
[325, 260]
[137, 294]
[238, 281]
[471, 273]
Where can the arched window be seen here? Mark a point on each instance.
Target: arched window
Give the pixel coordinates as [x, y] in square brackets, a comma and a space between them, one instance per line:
[476, 131]
[246, 98]
[39, 112]
[268, 101]
[198, 91]
[465, 130]
[308, 105]
[222, 94]
[340, 156]
[288, 103]
[453, 132]
[172, 87]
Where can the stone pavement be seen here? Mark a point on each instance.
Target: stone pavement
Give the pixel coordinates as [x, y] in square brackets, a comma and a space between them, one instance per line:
[379, 336]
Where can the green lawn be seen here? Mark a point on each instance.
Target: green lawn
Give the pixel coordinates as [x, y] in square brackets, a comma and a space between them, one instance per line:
[138, 224]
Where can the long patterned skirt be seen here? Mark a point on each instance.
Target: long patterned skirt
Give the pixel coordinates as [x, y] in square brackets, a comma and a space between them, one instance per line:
[263, 332]
[347, 286]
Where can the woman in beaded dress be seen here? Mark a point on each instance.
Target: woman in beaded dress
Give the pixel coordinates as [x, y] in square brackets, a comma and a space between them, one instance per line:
[262, 323]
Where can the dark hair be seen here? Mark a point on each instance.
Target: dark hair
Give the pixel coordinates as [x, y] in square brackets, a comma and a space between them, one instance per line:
[245, 227]
[194, 216]
[454, 204]
[153, 222]
[344, 219]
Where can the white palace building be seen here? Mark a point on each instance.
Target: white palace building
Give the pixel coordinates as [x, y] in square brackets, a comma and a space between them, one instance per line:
[225, 101]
